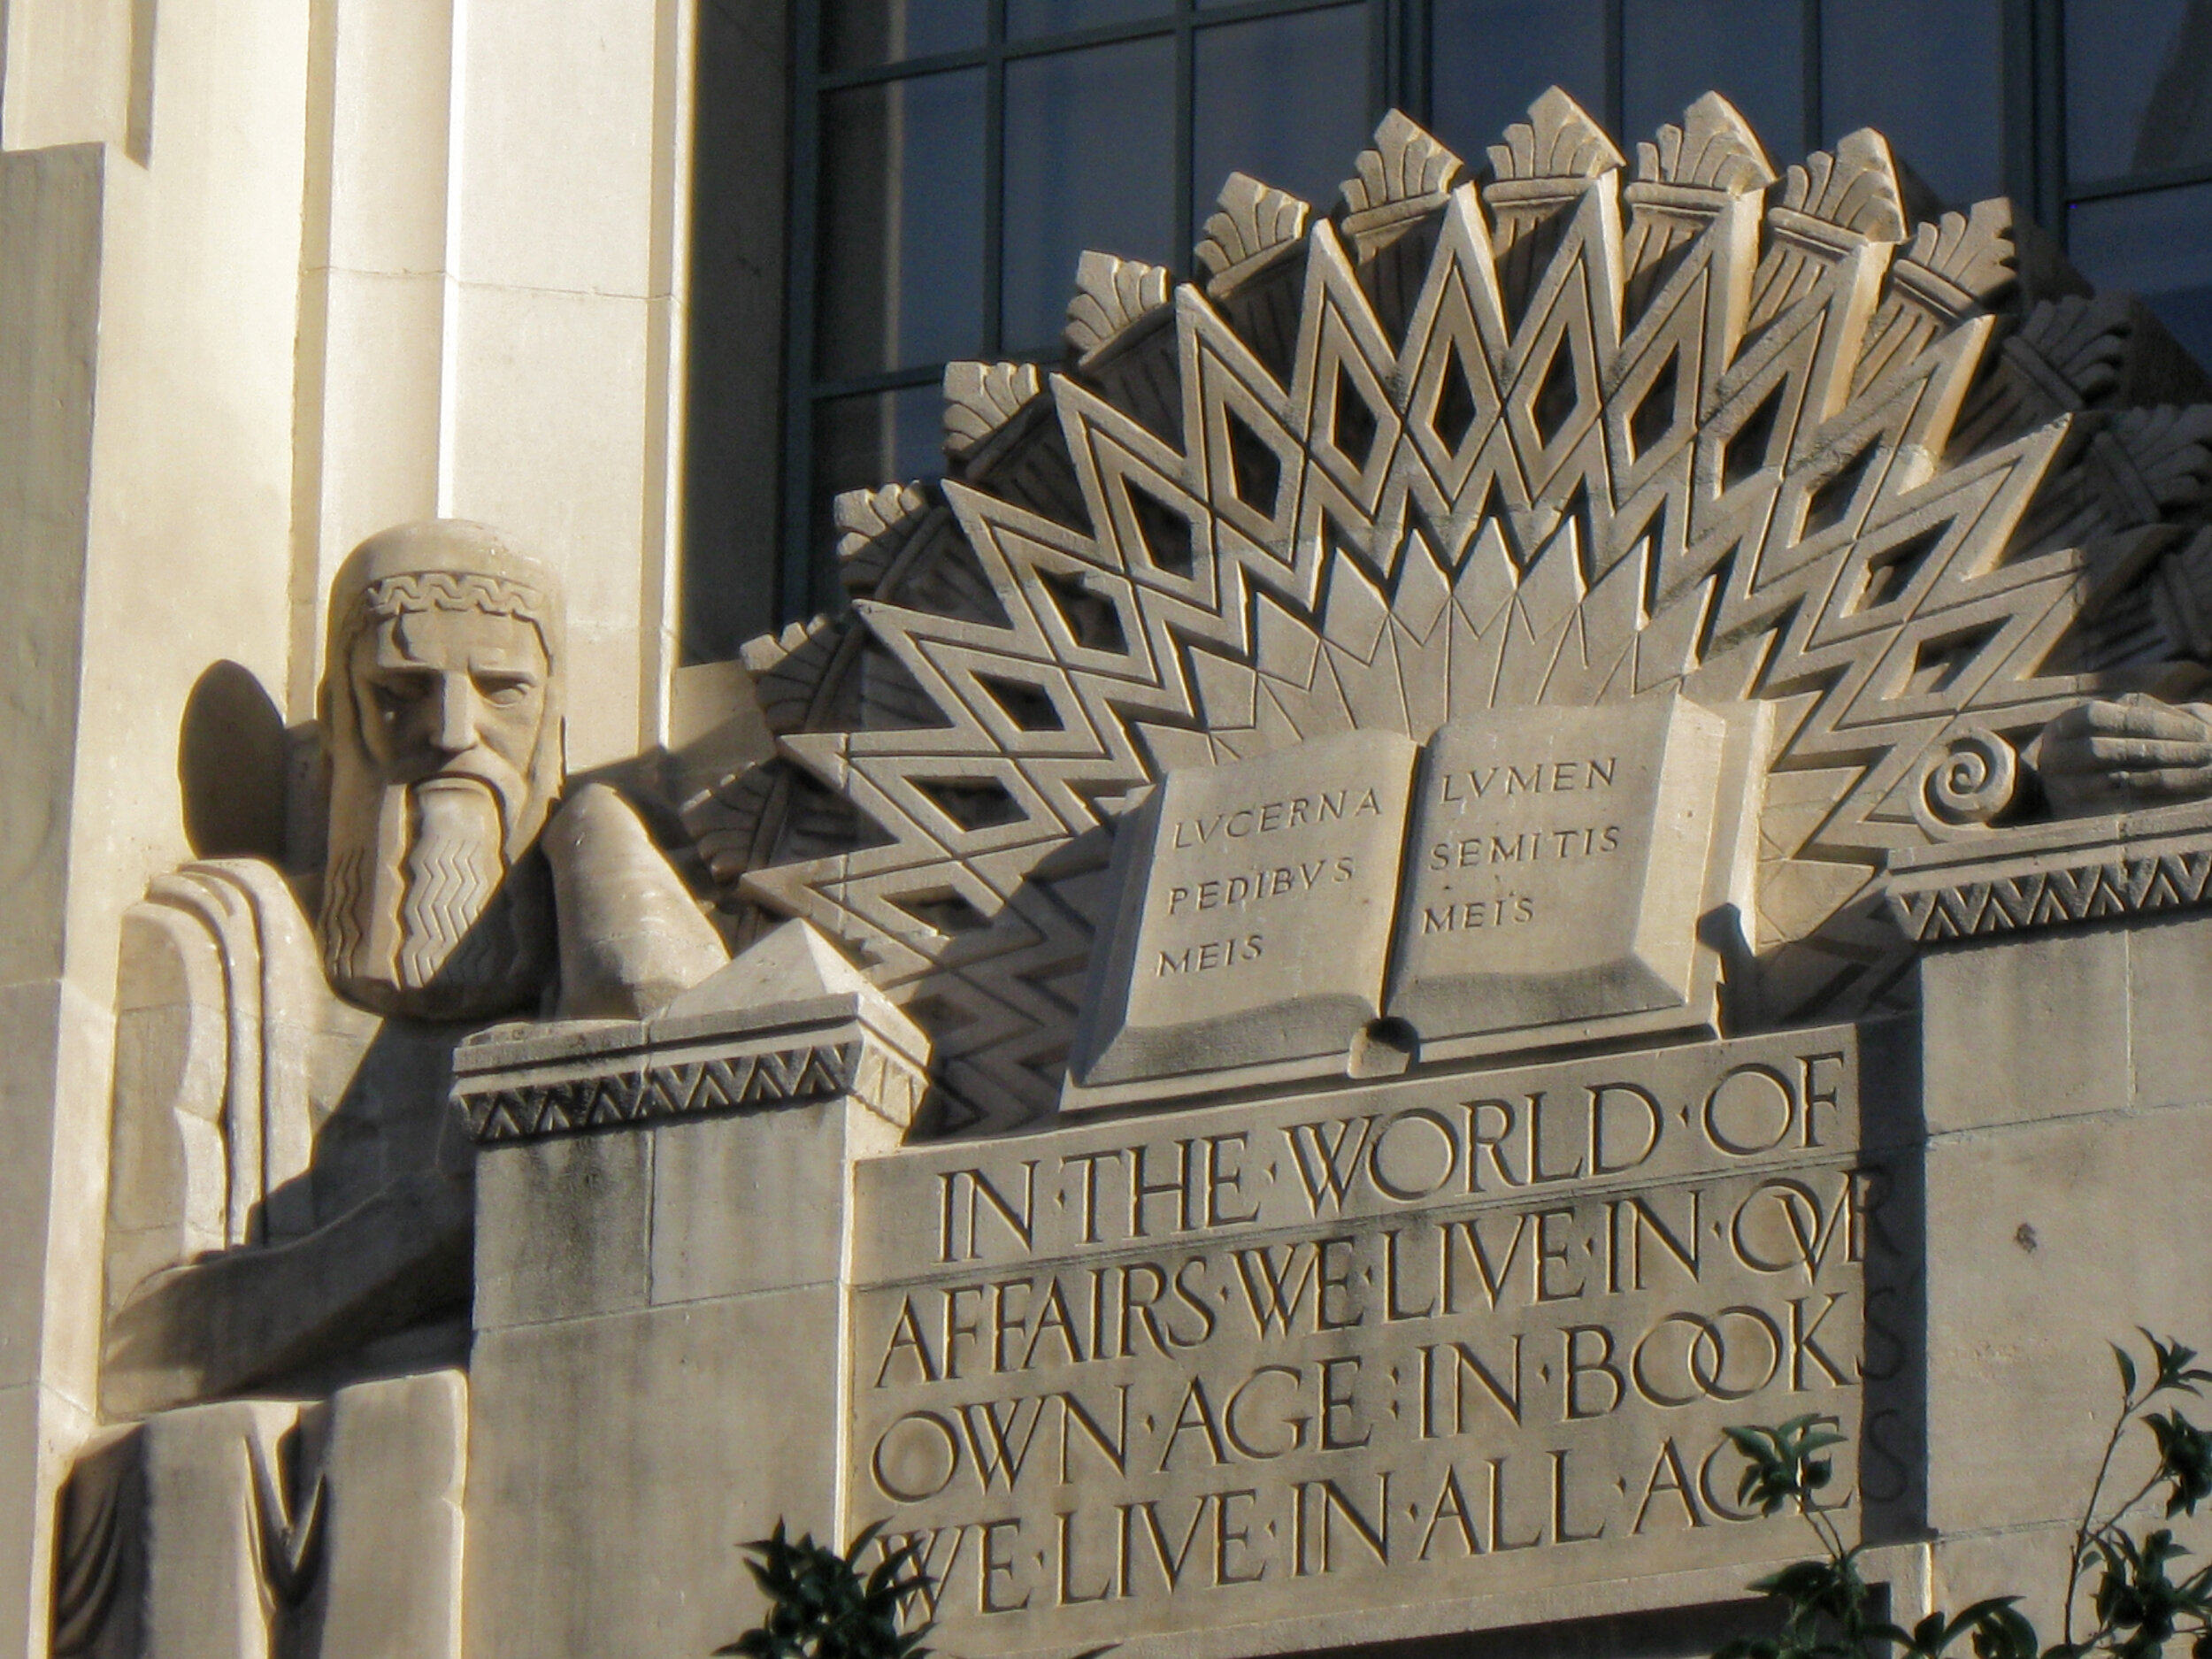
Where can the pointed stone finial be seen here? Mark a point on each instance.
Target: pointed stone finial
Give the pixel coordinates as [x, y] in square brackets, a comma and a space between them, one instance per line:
[1110, 294]
[1713, 149]
[1543, 170]
[1559, 141]
[1254, 223]
[1685, 178]
[873, 526]
[980, 398]
[1854, 188]
[1832, 205]
[1404, 174]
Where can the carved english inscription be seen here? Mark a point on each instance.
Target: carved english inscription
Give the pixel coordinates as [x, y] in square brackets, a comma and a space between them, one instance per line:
[1434, 1340]
[1256, 901]
[1556, 867]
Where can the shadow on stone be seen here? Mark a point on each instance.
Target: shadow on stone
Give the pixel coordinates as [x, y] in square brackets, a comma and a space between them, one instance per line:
[230, 766]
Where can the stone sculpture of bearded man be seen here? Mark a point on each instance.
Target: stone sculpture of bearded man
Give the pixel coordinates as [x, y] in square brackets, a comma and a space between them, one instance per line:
[290, 1211]
[290, 1181]
[441, 721]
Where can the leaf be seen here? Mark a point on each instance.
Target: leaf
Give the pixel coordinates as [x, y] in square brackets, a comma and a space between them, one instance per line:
[2184, 1454]
[822, 1607]
[2127, 1370]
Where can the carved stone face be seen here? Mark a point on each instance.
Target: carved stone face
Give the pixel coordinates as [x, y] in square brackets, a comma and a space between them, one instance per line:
[442, 712]
[452, 694]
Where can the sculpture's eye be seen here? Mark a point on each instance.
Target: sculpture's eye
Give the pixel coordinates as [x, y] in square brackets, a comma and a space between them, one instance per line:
[397, 692]
[502, 691]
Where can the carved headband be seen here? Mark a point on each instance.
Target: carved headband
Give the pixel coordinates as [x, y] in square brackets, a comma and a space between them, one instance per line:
[445, 590]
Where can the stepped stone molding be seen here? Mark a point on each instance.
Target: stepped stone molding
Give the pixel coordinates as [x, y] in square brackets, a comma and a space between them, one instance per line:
[1574, 434]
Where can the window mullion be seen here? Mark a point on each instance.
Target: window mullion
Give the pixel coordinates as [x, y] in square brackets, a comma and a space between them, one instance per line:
[1185, 138]
[2049, 130]
[995, 184]
[1616, 65]
[1812, 61]
[793, 579]
[1414, 89]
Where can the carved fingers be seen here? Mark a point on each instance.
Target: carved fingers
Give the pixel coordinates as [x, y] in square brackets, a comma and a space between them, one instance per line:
[2134, 751]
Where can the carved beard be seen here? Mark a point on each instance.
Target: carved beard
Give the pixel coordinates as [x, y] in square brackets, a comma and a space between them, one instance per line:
[453, 870]
[430, 921]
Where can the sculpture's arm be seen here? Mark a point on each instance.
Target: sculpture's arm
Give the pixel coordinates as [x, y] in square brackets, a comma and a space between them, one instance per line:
[2108, 755]
[210, 1328]
[632, 939]
[168, 1184]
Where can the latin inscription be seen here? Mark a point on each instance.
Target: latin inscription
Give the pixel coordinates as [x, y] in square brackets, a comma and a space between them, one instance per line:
[1439, 1338]
[1558, 868]
[1254, 911]
[1541, 874]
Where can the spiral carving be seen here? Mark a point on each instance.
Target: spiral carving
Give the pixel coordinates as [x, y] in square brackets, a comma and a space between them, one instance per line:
[1969, 781]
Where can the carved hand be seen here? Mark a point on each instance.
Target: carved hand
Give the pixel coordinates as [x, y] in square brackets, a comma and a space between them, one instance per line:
[2106, 755]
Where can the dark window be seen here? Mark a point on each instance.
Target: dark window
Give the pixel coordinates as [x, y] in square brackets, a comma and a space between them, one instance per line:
[1242, 123]
[952, 158]
[948, 177]
[1090, 163]
[2138, 155]
[1752, 52]
[898, 255]
[1930, 73]
[1490, 58]
[2158, 244]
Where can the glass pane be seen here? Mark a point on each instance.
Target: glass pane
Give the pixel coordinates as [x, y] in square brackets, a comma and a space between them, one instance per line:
[862, 443]
[1090, 163]
[1491, 58]
[2139, 86]
[1284, 99]
[2158, 245]
[1749, 51]
[857, 33]
[1026, 18]
[1925, 73]
[899, 265]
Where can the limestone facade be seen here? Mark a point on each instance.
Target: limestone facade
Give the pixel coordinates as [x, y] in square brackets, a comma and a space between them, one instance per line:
[1560, 807]
[278, 277]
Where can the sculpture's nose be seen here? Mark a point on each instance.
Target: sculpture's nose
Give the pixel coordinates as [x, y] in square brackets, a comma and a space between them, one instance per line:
[456, 714]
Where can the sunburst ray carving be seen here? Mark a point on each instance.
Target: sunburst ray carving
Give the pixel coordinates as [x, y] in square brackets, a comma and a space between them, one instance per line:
[1545, 432]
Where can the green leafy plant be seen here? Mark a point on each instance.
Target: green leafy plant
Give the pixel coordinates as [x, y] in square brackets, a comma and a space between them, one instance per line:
[2137, 1605]
[822, 1606]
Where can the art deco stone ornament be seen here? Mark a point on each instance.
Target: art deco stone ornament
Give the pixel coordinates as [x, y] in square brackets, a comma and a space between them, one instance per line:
[1644, 589]
[289, 1183]
[290, 1200]
[2131, 752]
[1563, 430]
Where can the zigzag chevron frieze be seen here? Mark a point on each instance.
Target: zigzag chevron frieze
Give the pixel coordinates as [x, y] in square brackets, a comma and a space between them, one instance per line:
[532, 1109]
[1555, 431]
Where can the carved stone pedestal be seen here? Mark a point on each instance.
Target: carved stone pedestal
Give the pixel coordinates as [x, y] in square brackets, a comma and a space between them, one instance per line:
[2066, 999]
[660, 1241]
